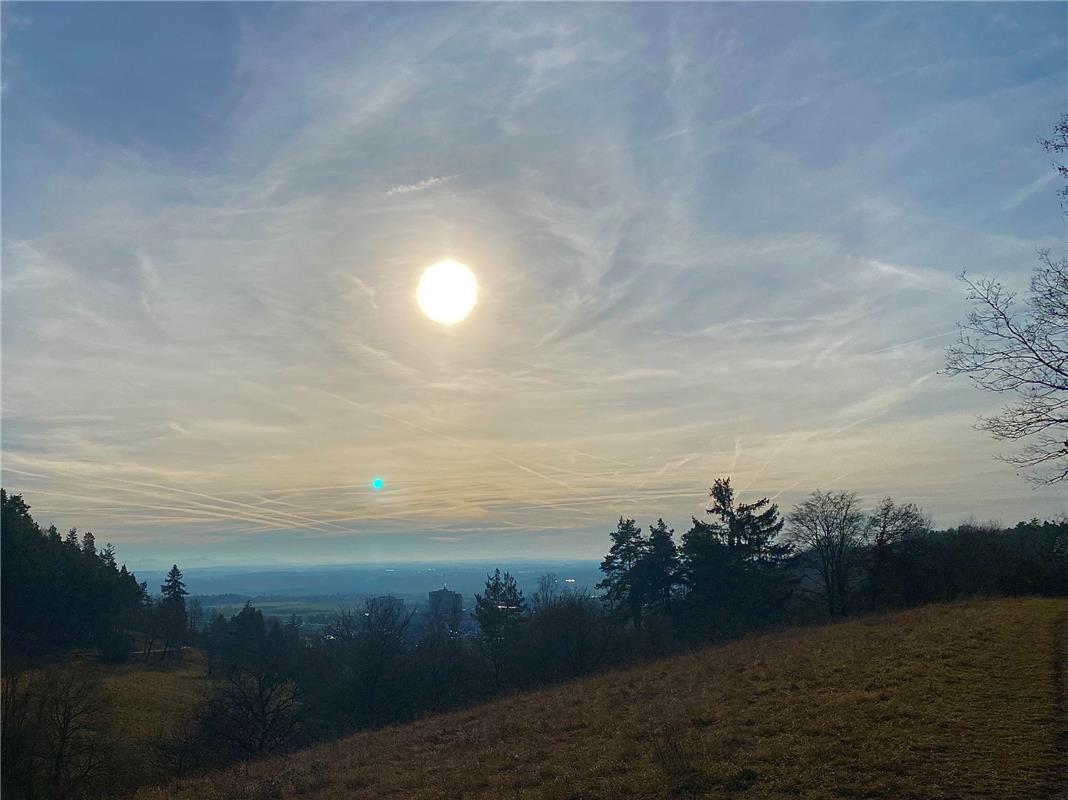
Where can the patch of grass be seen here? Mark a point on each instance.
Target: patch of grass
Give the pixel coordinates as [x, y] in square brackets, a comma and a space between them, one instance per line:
[949, 701]
[676, 764]
[143, 697]
[147, 697]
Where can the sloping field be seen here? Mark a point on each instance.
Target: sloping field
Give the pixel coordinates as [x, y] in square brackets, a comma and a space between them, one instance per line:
[948, 701]
[146, 699]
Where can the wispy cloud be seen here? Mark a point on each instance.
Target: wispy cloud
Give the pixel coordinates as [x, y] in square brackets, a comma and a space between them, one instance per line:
[408, 188]
[701, 249]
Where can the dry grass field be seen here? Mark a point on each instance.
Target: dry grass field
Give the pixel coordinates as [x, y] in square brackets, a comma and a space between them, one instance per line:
[146, 698]
[949, 701]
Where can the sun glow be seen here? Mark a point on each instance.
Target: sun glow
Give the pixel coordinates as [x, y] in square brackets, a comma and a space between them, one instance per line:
[447, 292]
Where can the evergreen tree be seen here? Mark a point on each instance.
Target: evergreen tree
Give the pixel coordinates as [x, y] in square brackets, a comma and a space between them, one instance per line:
[72, 539]
[753, 527]
[624, 584]
[705, 563]
[173, 588]
[171, 611]
[107, 556]
[499, 614]
[661, 564]
[55, 597]
[734, 567]
[89, 544]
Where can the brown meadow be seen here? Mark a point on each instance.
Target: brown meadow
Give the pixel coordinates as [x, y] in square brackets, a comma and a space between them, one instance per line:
[961, 700]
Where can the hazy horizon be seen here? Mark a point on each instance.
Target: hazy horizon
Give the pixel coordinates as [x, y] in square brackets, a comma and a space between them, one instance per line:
[709, 240]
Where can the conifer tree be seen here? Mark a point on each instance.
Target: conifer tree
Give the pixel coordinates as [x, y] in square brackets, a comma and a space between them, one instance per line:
[89, 544]
[625, 589]
[173, 587]
[107, 556]
[753, 527]
[171, 611]
[661, 563]
[499, 614]
[734, 566]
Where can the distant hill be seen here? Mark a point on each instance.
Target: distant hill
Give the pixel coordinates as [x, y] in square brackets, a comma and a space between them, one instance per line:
[352, 580]
[946, 701]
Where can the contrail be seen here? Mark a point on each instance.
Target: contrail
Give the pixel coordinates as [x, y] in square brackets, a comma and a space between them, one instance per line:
[199, 513]
[444, 436]
[266, 516]
[601, 458]
[910, 341]
[235, 503]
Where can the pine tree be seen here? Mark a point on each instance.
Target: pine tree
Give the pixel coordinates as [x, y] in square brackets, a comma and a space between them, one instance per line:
[661, 563]
[53, 535]
[107, 556]
[734, 566]
[625, 589]
[72, 539]
[499, 613]
[171, 611]
[753, 527]
[173, 588]
[89, 544]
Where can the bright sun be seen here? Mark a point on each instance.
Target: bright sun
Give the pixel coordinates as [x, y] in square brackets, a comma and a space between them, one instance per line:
[447, 292]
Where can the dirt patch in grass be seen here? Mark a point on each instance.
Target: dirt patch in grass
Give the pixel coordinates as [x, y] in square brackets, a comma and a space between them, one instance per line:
[961, 700]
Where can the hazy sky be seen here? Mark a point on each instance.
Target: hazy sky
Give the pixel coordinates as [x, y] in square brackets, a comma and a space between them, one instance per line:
[710, 239]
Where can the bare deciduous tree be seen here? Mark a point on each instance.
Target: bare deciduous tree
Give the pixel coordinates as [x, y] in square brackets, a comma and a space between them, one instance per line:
[892, 522]
[381, 631]
[176, 749]
[894, 532]
[74, 731]
[546, 593]
[1023, 354]
[1058, 143]
[831, 526]
[257, 711]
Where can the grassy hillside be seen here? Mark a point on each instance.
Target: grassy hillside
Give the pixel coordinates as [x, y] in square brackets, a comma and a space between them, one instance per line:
[947, 701]
[146, 698]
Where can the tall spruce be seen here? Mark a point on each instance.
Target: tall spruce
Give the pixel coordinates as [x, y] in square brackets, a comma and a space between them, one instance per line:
[173, 587]
[171, 613]
[107, 556]
[71, 540]
[752, 527]
[734, 566]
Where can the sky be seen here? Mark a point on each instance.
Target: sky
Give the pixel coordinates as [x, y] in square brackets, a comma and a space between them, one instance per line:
[710, 239]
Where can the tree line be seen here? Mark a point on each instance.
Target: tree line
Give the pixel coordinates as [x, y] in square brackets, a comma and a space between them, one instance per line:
[274, 685]
[59, 591]
[750, 566]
